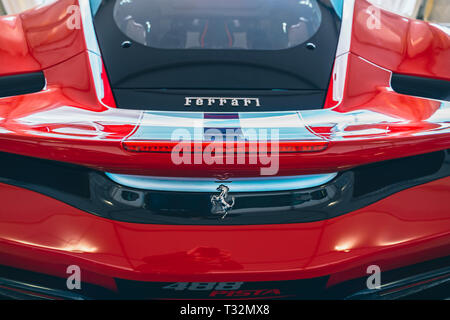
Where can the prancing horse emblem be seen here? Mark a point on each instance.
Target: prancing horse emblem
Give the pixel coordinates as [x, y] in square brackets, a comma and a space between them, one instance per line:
[222, 203]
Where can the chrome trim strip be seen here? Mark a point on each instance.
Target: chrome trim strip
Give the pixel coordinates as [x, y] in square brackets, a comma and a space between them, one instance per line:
[96, 63]
[405, 287]
[8, 286]
[210, 185]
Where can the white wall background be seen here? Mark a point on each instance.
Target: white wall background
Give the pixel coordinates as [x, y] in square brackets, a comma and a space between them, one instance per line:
[16, 6]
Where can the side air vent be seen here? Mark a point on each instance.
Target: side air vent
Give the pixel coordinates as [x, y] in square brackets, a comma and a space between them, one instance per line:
[376, 176]
[21, 84]
[421, 87]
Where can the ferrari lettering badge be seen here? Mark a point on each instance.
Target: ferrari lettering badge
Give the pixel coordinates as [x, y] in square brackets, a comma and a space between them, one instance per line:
[218, 101]
[223, 202]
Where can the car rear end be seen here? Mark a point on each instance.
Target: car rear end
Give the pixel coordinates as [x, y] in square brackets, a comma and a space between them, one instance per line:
[226, 150]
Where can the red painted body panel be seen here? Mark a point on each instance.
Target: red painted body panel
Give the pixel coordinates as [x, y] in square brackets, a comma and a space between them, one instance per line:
[400, 44]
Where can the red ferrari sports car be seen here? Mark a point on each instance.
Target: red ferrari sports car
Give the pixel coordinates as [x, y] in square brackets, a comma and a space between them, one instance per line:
[198, 149]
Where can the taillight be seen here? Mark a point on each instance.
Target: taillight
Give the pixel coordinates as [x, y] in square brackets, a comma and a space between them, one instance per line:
[238, 147]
